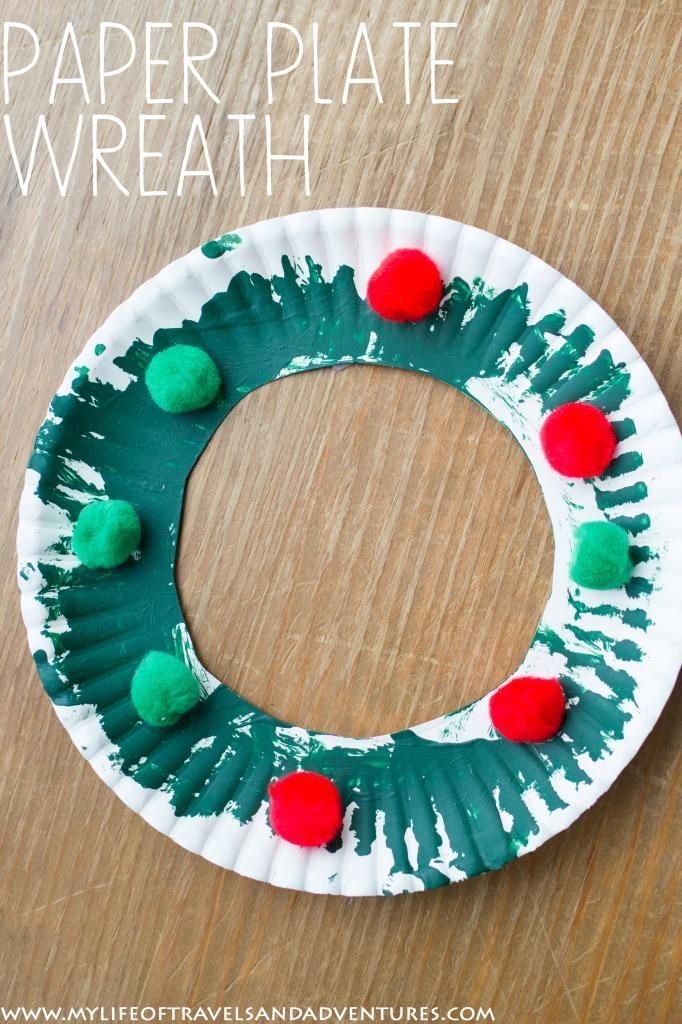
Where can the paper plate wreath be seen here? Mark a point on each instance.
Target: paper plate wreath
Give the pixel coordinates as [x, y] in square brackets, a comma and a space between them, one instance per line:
[433, 803]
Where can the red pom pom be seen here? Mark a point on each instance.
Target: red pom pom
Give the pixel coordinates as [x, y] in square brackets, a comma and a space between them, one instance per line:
[407, 286]
[305, 809]
[528, 709]
[578, 440]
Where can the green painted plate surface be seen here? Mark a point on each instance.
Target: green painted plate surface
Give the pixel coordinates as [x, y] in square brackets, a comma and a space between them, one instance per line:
[433, 803]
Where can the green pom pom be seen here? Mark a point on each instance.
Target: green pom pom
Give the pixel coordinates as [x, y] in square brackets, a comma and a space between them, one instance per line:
[182, 378]
[106, 534]
[163, 689]
[601, 557]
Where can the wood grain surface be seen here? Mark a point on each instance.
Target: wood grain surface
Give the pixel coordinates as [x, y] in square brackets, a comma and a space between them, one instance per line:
[362, 549]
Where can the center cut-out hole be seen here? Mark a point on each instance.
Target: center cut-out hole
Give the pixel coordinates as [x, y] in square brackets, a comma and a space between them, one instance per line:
[362, 550]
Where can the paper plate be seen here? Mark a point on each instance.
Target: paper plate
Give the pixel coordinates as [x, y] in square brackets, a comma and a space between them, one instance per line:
[433, 803]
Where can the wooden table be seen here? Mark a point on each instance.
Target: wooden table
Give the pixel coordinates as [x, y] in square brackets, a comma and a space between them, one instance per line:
[564, 141]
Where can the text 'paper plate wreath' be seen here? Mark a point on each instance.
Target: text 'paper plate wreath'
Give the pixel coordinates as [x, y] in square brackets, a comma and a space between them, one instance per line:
[100, 514]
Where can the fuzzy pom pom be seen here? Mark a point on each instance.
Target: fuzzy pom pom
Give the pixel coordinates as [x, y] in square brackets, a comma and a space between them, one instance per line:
[601, 556]
[163, 689]
[578, 440]
[106, 534]
[528, 709]
[182, 378]
[305, 809]
[406, 287]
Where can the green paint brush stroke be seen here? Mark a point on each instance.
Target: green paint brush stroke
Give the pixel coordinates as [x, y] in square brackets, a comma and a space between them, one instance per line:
[258, 330]
[219, 246]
